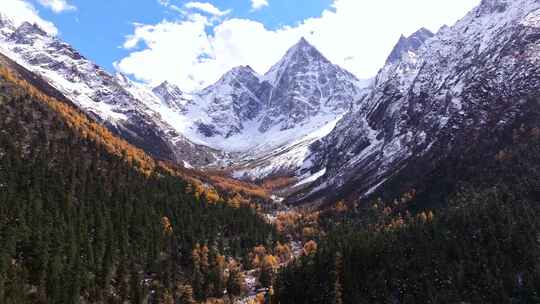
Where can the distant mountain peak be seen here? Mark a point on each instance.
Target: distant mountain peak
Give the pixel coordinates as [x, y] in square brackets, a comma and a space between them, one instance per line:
[423, 32]
[302, 53]
[303, 46]
[170, 95]
[237, 74]
[166, 86]
[242, 69]
[409, 44]
[303, 41]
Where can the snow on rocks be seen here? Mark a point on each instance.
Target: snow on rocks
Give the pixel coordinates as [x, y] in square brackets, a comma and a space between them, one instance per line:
[429, 92]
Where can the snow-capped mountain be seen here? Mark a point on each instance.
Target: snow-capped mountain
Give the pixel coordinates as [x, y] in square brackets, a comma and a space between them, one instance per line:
[242, 119]
[304, 85]
[267, 122]
[310, 118]
[250, 113]
[171, 96]
[228, 104]
[431, 97]
[123, 106]
[408, 45]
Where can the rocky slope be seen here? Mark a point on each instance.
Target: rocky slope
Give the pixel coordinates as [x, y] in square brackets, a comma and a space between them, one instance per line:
[113, 100]
[430, 100]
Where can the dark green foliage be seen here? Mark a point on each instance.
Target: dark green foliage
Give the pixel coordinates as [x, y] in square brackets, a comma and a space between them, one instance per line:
[483, 247]
[77, 222]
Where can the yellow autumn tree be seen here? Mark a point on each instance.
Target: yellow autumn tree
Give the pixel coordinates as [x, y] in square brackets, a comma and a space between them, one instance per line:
[310, 248]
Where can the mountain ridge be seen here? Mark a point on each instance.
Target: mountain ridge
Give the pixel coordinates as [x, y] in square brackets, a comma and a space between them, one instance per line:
[463, 79]
[220, 124]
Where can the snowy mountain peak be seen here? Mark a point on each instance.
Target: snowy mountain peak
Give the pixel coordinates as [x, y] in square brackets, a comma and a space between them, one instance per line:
[239, 72]
[301, 45]
[305, 84]
[28, 32]
[243, 69]
[242, 113]
[167, 88]
[302, 53]
[170, 95]
[409, 44]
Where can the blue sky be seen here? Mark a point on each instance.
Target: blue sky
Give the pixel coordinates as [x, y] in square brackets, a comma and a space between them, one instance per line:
[193, 43]
[98, 27]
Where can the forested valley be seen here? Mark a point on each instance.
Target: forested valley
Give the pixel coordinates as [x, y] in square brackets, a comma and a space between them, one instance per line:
[87, 218]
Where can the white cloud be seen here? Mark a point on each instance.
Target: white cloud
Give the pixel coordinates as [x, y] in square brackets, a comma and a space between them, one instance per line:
[206, 8]
[355, 34]
[19, 11]
[172, 52]
[57, 6]
[258, 4]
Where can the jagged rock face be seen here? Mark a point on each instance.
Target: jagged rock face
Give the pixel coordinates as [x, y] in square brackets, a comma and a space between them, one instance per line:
[285, 110]
[409, 44]
[27, 34]
[112, 101]
[295, 92]
[305, 84]
[473, 76]
[171, 96]
[302, 85]
[233, 100]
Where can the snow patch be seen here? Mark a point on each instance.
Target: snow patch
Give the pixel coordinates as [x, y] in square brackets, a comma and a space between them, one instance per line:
[310, 179]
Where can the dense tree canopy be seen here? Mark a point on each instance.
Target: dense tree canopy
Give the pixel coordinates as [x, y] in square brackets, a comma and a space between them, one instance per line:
[482, 246]
[86, 217]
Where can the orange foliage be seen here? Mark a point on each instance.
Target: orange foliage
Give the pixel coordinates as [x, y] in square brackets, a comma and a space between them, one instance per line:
[283, 252]
[257, 256]
[341, 207]
[259, 299]
[278, 183]
[228, 184]
[310, 248]
[270, 261]
[211, 195]
[89, 129]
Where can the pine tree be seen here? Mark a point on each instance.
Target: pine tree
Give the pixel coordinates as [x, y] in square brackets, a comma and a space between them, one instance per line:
[338, 273]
